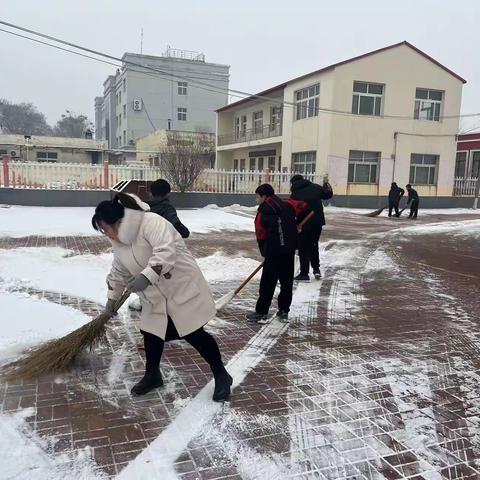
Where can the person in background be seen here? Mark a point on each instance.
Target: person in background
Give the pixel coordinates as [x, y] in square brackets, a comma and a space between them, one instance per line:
[313, 194]
[414, 201]
[151, 259]
[277, 237]
[394, 196]
[160, 204]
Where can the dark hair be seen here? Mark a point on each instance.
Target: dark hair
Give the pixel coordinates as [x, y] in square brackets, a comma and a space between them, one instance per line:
[394, 184]
[111, 211]
[408, 186]
[160, 188]
[296, 178]
[265, 189]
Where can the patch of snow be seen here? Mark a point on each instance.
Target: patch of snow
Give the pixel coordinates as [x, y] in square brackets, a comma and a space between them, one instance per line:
[205, 220]
[54, 269]
[466, 228]
[380, 261]
[117, 364]
[23, 455]
[219, 268]
[27, 321]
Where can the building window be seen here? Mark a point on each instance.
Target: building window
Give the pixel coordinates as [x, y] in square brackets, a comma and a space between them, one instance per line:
[182, 113]
[304, 162]
[307, 101]
[237, 128]
[124, 137]
[428, 104]
[257, 122]
[119, 97]
[260, 164]
[423, 169]
[182, 88]
[475, 171]
[124, 85]
[460, 164]
[125, 111]
[275, 118]
[252, 164]
[235, 164]
[272, 163]
[363, 167]
[47, 156]
[120, 119]
[243, 126]
[367, 98]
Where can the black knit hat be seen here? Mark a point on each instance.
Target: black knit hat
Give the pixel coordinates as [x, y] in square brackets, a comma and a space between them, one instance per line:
[265, 189]
[296, 178]
[160, 188]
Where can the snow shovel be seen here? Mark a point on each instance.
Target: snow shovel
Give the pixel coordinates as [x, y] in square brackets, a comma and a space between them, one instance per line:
[58, 354]
[223, 301]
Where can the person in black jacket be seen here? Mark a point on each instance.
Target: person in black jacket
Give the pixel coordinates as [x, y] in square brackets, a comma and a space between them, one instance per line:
[414, 201]
[394, 196]
[160, 204]
[312, 194]
[277, 237]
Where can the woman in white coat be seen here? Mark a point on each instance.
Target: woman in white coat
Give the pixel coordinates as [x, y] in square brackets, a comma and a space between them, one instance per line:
[150, 258]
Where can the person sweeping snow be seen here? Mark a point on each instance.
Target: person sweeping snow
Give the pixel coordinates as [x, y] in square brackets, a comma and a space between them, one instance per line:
[151, 259]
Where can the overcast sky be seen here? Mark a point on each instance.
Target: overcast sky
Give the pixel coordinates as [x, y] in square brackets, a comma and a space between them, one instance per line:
[265, 41]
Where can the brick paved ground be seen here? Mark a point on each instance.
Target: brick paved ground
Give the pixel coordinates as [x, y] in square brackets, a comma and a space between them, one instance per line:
[378, 380]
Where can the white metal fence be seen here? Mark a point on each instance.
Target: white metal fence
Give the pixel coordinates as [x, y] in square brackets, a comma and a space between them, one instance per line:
[67, 176]
[465, 187]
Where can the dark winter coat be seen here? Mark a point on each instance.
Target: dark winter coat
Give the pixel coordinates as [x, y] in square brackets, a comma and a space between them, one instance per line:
[276, 226]
[413, 196]
[165, 209]
[395, 194]
[312, 194]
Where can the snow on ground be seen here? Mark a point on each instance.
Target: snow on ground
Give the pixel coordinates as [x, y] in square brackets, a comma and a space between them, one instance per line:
[18, 221]
[54, 269]
[466, 228]
[218, 268]
[331, 209]
[23, 454]
[27, 321]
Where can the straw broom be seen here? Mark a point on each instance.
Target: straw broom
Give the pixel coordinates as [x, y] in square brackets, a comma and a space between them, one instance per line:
[58, 354]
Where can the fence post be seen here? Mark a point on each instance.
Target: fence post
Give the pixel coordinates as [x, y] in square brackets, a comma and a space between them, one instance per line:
[6, 177]
[476, 194]
[106, 176]
[266, 175]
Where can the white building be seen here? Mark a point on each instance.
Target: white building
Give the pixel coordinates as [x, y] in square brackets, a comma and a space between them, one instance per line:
[388, 115]
[177, 91]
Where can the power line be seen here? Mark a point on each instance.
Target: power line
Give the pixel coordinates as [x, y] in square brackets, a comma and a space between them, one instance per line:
[201, 85]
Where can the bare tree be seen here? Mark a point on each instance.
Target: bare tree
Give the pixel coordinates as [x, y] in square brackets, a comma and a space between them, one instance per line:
[185, 156]
[72, 125]
[22, 119]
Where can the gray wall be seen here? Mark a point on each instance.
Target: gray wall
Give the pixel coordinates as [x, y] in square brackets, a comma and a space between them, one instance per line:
[87, 198]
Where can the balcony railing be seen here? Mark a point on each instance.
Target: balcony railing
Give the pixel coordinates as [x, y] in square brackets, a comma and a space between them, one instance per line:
[465, 187]
[267, 131]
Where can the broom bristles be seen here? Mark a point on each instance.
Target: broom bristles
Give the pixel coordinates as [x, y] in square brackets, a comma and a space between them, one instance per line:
[58, 354]
[376, 213]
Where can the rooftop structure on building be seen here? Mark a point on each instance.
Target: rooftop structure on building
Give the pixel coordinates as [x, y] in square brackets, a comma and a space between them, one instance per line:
[179, 90]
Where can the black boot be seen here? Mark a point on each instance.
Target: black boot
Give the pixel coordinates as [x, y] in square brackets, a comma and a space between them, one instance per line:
[152, 379]
[153, 353]
[223, 382]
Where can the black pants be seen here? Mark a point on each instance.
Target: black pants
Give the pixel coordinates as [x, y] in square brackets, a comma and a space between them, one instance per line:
[414, 209]
[391, 206]
[201, 340]
[276, 268]
[308, 249]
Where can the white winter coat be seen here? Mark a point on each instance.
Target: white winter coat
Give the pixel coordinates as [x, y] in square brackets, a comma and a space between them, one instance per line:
[150, 245]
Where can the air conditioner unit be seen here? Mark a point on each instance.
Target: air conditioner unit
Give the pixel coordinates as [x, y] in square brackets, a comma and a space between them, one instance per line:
[137, 104]
[14, 153]
[131, 142]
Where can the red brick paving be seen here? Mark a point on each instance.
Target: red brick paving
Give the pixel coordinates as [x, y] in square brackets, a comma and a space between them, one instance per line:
[380, 381]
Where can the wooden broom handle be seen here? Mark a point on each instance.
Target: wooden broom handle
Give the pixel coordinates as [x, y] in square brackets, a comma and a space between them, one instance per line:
[305, 220]
[248, 279]
[121, 301]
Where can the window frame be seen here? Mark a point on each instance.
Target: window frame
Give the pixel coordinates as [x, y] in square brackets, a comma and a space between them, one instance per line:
[182, 88]
[275, 117]
[303, 99]
[422, 165]
[50, 157]
[465, 166]
[182, 113]
[302, 161]
[434, 102]
[352, 177]
[358, 95]
[473, 160]
[258, 120]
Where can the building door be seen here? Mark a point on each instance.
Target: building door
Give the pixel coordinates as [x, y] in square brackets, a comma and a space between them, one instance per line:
[460, 164]
[235, 164]
[475, 166]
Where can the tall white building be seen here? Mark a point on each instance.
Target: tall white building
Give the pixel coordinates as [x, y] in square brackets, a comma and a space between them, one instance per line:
[177, 91]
